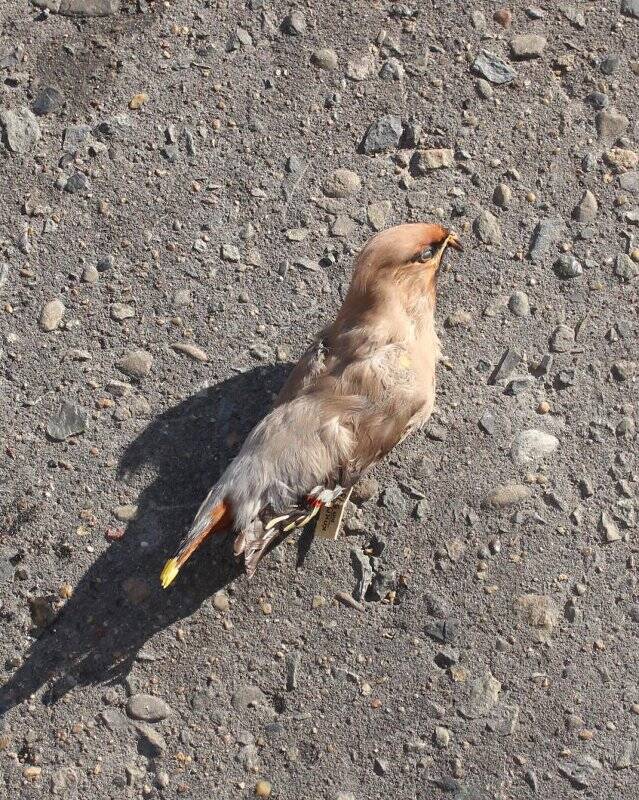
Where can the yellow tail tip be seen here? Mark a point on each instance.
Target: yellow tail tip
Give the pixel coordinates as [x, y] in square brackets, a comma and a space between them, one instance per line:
[171, 569]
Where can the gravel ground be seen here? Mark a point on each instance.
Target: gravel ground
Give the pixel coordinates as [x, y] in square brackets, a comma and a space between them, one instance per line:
[172, 232]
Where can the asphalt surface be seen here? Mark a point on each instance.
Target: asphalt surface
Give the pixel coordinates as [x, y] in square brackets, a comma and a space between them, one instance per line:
[170, 240]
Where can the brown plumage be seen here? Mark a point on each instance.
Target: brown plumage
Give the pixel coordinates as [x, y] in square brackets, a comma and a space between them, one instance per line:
[367, 380]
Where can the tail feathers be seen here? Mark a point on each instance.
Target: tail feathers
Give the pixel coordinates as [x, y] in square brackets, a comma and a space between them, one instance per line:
[254, 542]
[215, 519]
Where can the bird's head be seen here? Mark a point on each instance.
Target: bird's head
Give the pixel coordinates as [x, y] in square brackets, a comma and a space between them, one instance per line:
[406, 249]
[398, 266]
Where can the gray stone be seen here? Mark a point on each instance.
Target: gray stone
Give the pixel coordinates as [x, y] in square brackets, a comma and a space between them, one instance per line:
[293, 661]
[629, 756]
[441, 737]
[114, 720]
[49, 100]
[630, 8]
[505, 496]
[580, 770]
[105, 263]
[478, 19]
[487, 422]
[420, 511]
[384, 134]
[128, 512]
[598, 100]
[11, 58]
[342, 227]
[484, 89]
[392, 70]
[4, 275]
[191, 350]
[51, 315]
[246, 697]
[540, 612]
[629, 181]
[507, 364]
[423, 161]
[445, 631]
[238, 39]
[147, 707]
[78, 182]
[562, 339]
[136, 363]
[491, 67]
[611, 124]
[342, 183]
[587, 208]
[151, 740]
[64, 783]
[519, 304]
[546, 234]
[575, 16]
[80, 8]
[74, 137]
[567, 267]
[381, 766]
[377, 214]
[527, 45]
[324, 58]
[531, 779]
[487, 228]
[229, 252]
[359, 69]
[502, 195]
[520, 385]
[20, 129]
[625, 267]
[69, 421]
[122, 311]
[393, 499]
[532, 446]
[609, 64]
[481, 697]
[90, 274]
[363, 573]
[608, 528]
[503, 720]
[294, 23]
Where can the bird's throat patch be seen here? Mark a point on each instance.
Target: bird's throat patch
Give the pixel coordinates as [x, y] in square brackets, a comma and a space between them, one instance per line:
[329, 520]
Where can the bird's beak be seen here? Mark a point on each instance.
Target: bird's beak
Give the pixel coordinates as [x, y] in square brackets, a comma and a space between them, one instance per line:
[453, 241]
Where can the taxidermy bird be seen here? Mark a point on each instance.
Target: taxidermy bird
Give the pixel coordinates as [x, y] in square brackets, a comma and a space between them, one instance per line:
[364, 384]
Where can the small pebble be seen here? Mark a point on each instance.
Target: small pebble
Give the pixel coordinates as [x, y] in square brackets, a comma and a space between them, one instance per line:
[221, 601]
[138, 100]
[325, 59]
[263, 789]
[519, 304]
[51, 315]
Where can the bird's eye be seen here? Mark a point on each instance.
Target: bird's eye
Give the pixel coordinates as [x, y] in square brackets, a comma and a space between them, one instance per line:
[426, 253]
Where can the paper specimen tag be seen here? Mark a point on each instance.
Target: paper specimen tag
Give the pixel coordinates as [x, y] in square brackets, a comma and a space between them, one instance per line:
[329, 520]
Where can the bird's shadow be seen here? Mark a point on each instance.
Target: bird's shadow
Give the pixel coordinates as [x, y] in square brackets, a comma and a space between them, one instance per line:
[118, 604]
